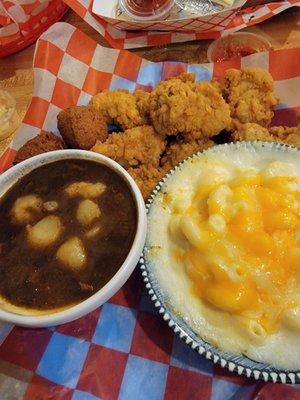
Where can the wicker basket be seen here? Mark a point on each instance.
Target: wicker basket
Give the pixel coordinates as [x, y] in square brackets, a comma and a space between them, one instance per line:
[29, 31]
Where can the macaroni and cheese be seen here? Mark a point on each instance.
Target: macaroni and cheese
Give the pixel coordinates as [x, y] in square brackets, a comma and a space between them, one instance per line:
[224, 240]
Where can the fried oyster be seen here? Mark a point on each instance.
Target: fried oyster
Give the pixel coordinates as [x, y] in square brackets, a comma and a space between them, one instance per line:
[195, 110]
[250, 95]
[180, 150]
[136, 146]
[146, 177]
[121, 107]
[281, 134]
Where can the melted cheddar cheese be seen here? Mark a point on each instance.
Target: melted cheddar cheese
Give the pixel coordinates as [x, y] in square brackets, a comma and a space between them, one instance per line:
[223, 243]
[242, 247]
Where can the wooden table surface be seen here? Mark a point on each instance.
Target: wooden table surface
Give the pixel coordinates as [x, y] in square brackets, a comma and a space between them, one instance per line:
[282, 31]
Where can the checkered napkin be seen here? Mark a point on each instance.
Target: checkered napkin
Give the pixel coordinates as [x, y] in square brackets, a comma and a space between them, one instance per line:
[206, 27]
[123, 350]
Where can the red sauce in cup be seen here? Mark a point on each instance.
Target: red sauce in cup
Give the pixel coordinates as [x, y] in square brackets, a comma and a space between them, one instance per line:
[147, 8]
[234, 51]
[240, 44]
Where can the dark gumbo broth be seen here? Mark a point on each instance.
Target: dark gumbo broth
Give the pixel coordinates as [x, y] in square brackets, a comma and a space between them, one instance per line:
[33, 275]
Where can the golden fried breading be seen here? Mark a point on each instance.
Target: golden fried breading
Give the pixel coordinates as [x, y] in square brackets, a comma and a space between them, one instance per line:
[178, 151]
[42, 143]
[250, 94]
[120, 107]
[81, 127]
[136, 146]
[185, 77]
[251, 131]
[281, 134]
[142, 103]
[196, 110]
[113, 148]
[146, 177]
[289, 135]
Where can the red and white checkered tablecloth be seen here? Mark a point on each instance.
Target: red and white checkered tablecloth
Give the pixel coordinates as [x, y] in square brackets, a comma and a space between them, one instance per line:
[123, 350]
[206, 27]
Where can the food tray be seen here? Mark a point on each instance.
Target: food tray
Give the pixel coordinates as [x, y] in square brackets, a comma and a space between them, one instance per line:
[124, 350]
[208, 27]
[22, 22]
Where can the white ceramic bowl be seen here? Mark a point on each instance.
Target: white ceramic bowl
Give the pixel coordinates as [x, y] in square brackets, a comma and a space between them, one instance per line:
[11, 176]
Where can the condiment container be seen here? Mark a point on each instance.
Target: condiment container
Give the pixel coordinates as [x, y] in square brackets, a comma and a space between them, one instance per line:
[147, 10]
[238, 44]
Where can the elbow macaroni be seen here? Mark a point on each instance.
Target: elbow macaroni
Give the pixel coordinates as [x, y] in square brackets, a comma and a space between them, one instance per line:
[238, 236]
[291, 318]
[254, 330]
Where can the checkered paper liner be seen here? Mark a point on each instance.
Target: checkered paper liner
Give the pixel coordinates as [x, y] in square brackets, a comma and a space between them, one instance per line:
[123, 350]
[126, 35]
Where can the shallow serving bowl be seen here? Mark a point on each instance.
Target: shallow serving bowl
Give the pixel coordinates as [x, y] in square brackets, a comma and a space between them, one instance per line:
[240, 364]
[11, 176]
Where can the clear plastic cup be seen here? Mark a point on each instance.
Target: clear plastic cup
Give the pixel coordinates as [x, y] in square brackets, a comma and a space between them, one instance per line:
[147, 10]
[9, 119]
[235, 45]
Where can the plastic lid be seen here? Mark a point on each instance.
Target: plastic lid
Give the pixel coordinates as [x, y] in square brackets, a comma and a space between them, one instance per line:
[147, 10]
